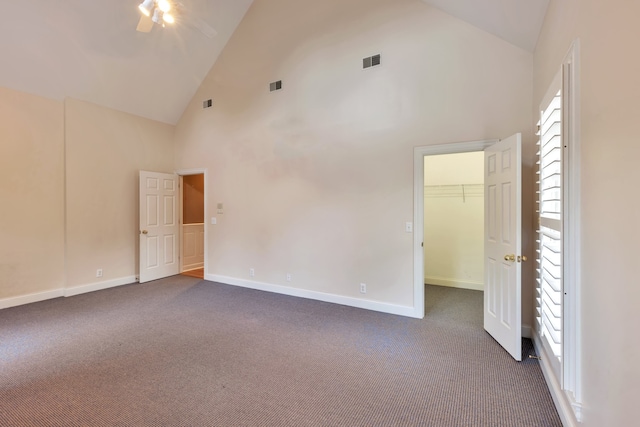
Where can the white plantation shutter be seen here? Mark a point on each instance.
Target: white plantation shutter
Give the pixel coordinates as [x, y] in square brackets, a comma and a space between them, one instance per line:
[549, 292]
[558, 293]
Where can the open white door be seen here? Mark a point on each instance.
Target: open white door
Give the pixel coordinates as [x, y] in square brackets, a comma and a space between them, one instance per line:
[159, 226]
[503, 241]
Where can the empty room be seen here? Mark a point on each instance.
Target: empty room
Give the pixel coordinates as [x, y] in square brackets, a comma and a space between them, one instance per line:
[224, 213]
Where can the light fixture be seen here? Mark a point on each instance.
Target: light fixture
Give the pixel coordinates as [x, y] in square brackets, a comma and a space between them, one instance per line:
[158, 10]
[168, 18]
[164, 5]
[157, 16]
[146, 7]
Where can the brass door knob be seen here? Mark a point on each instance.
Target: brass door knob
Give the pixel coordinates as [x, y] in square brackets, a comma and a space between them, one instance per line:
[144, 232]
[522, 258]
[511, 258]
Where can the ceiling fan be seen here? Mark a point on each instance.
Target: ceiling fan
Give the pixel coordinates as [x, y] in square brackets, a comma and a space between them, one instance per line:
[164, 12]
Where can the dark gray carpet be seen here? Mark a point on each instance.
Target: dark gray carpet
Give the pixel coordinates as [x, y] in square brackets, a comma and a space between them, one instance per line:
[184, 352]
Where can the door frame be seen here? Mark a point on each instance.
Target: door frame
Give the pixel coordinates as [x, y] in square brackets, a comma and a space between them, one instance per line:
[419, 153]
[181, 173]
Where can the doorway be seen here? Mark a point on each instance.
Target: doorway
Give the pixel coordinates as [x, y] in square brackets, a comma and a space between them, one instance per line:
[192, 225]
[419, 155]
[503, 256]
[454, 220]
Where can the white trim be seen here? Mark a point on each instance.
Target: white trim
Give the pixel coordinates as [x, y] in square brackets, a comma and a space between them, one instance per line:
[98, 286]
[181, 225]
[527, 331]
[314, 295]
[572, 322]
[454, 283]
[418, 209]
[570, 412]
[30, 298]
[191, 267]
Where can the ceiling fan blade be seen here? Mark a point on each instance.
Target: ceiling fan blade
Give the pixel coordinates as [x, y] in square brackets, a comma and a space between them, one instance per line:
[145, 24]
[203, 27]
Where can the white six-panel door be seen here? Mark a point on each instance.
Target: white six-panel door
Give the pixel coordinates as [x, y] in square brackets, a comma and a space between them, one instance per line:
[159, 226]
[503, 240]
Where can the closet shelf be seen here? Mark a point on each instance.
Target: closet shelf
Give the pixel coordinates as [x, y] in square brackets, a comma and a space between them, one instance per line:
[454, 190]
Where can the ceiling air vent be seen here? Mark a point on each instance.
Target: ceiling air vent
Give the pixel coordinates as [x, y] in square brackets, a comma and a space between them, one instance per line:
[371, 61]
[275, 85]
[207, 104]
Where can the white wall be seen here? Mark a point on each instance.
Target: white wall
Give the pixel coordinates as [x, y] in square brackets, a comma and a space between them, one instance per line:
[610, 107]
[317, 179]
[454, 220]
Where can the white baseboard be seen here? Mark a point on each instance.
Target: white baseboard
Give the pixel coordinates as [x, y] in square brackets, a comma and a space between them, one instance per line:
[31, 298]
[314, 295]
[564, 407]
[190, 267]
[452, 283]
[91, 287]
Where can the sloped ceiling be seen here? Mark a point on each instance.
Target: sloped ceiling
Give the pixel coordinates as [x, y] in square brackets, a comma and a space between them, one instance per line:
[90, 50]
[516, 21]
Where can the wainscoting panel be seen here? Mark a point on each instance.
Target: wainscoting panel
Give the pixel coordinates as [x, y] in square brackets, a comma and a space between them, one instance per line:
[192, 246]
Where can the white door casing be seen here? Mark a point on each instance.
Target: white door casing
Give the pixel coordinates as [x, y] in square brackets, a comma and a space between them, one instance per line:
[503, 241]
[159, 226]
[418, 209]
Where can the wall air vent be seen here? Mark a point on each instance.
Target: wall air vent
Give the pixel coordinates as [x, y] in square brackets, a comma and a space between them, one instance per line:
[207, 104]
[275, 86]
[371, 61]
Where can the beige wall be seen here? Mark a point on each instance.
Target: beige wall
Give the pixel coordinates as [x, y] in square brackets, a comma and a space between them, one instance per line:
[610, 105]
[105, 149]
[31, 194]
[317, 179]
[454, 220]
[89, 157]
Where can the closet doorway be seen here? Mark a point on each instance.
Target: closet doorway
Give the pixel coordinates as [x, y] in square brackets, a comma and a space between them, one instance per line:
[192, 225]
[454, 220]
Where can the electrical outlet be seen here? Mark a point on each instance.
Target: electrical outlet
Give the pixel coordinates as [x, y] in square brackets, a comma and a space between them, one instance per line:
[363, 288]
[288, 277]
[252, 272]
[99, 272]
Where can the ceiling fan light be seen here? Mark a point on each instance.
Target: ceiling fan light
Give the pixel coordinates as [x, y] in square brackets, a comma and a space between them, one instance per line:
[146, 7]
[164, 5]
[157, 16]
[168, 18]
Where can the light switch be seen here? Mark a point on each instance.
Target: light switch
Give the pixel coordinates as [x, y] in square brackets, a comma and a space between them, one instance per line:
[214, 221]
[408, 227]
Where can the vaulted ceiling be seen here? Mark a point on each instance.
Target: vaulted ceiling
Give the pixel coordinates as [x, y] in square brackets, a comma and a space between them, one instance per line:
[90, 50]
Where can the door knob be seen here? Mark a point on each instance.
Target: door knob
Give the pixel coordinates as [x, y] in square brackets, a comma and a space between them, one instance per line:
[144, 232]
[511, 258]
[522, 258]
